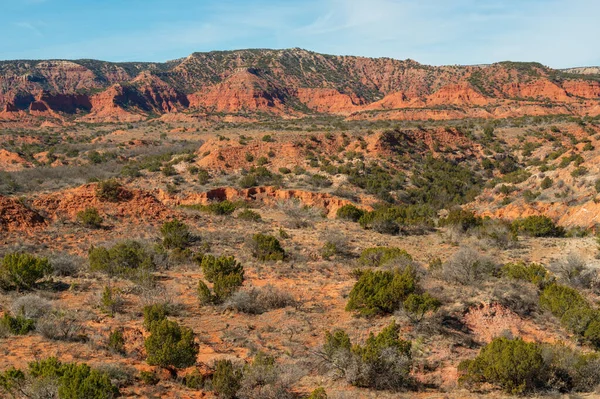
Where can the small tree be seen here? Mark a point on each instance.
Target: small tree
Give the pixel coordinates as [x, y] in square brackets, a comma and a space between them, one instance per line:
[318, 393]
[226, 274]
[349, 212]
[116, 341]
[266, 247]
[176, 234]
[538, 226]
[226, 379]
[380, 292]
[384, 362]
[418, 305]
[90, 218]
[379, 256]
[153, 313]
[514, 365]
[109, 190]
[125, 259]
[223, 265]
[170, 345]
[22, 270]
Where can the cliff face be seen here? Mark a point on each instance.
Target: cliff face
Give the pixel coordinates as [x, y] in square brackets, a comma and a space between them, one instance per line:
[291, 82]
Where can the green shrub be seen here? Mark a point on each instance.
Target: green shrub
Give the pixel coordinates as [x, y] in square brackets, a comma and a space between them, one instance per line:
[18, 325]
[418, 305]
[558, 299]
[203, 176]
[516, 177]
[262, 161]
[82, 382]
[90, 218]
[380, 292]
[573, 311]
[318, 393]
[204, 295]
[592, 331]
[248, 181]
[389, 219]
[65, 380]
[349, 212]
[249, 216]
[266, 248]
[578, 319]
[441, 183]
[176, 234]
[194, 380]
[116, 341]
[384, 362]
[226, 274]
[336, 342]
[11, 381]
[110, 301]
[219, 208]
[168, 170]
[170, 345]
[463, 219]
[149, 377]
[319, 181]
[125, 259]
[379, 256]
[153, 313]
[109, 190]
[546, 183]
[260, 176]
[225, 285]
[534, 272]
[23, 271]
[514, 365]
[226, 379]
[329, 250]
[580, 171]
[538, 226]
[213, 267]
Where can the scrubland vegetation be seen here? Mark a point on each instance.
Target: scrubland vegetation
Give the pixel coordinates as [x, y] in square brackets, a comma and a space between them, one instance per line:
[377, 266]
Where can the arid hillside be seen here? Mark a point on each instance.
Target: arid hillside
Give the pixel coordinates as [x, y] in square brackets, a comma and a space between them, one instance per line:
[265, 224]
[291, 83]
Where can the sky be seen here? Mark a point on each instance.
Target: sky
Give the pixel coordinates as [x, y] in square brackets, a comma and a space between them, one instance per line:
[557, 33]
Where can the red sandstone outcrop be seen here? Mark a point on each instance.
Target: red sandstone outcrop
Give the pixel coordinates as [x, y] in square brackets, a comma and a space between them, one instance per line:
[290, 83]
[132, 204]
[459, 94]
[242, 91]
[11, 161]
[266, 195]
[329, 101]
[16, 216]
[538, 89]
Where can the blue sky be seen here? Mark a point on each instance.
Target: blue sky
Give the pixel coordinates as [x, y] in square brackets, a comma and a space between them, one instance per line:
[558, 33]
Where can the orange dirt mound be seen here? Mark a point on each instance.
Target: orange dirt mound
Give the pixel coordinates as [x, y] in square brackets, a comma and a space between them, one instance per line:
[11, 161]
[490, 320]
[267, 195]
[16, 216]
[132, 204]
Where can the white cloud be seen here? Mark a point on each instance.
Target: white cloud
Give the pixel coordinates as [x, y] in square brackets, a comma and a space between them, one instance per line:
[30, 27]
